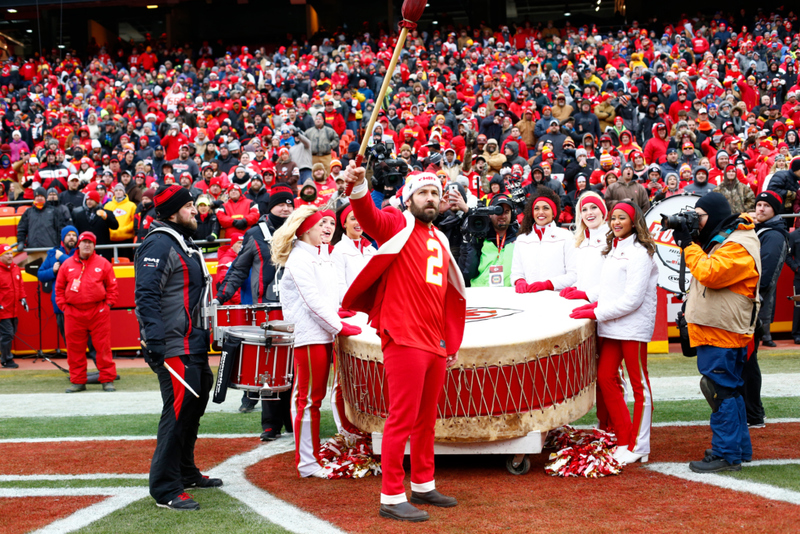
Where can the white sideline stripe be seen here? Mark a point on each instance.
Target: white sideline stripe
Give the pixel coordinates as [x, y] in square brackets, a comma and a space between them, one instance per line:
[119, 438]
[770, 421]
[93, 476]
[71, 492]
[681, 470]
[263, 503]
[86, 516]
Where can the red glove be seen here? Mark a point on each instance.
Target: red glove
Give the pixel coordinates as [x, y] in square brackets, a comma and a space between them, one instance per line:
[349, 330]
[572, 293]
[521, 286]
[584, 312]
[535, 287]
[344, 314]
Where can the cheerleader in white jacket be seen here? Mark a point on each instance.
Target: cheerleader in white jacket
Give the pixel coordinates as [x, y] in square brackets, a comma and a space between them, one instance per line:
[309, 304]
[544, 254]
[351, 250]
[624, 305]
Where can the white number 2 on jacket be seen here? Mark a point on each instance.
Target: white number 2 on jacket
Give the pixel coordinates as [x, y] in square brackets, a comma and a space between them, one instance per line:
[433, 274]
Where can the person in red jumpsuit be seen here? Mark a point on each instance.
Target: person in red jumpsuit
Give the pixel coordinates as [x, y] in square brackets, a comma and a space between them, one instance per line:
[12, 301]
[86, 289]
[414, 293]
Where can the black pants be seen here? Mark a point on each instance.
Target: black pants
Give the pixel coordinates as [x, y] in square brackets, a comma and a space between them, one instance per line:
[275, 414]
[8, 328]
[751, 390]
[796, 316]
[173, 467]
[92, 354]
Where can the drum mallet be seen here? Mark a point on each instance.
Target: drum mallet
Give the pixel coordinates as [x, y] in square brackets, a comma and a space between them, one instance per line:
[411, 11]
[181, 380]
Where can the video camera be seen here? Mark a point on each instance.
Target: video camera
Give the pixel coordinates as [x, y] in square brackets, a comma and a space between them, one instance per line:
[478, 223]
[388, 174]
[685, 216]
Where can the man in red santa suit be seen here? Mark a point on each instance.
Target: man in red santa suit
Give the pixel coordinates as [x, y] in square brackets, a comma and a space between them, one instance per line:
[414, 294]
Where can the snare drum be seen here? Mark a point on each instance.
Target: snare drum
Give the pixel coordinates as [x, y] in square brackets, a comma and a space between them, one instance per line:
[265, 358]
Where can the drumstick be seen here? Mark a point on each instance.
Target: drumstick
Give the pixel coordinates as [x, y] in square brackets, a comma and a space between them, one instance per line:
[181, 380]
[411, 11]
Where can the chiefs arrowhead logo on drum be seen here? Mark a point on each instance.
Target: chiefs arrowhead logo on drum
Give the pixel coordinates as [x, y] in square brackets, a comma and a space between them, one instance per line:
[483, 314]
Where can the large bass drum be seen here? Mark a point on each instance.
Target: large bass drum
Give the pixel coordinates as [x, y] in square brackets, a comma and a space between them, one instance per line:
[667, 252]
[524, 366]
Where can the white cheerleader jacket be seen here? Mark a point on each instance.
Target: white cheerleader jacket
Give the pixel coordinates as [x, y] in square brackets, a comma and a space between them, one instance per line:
[306, 298]
[551, 258]
[589, 258]
[350, 258]
[626, 296]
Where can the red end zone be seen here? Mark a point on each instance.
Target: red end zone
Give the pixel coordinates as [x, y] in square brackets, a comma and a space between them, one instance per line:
[491, 499]
[26, 514]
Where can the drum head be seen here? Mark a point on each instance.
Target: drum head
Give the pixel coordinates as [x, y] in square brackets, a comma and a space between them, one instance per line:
[252, 334]
[668, 254]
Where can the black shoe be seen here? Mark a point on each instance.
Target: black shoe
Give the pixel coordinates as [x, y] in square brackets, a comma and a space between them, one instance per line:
[109, 386]
[759, 424]
[270, 434]
[11, 364]
[246, 408]
[183, 501]
[713, 464]
[206, 482]
[74, 388]
[710, 456]
[404, 512]
[433, 497]
[768, 343]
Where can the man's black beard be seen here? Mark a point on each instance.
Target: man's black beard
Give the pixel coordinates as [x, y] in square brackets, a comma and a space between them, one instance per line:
[421, 213]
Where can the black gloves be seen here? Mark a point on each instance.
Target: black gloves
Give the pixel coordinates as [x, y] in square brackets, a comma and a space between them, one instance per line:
[211, 238]
[241, 224]
[20, 247]
[682, 236]
[24, 304]
[155, 352]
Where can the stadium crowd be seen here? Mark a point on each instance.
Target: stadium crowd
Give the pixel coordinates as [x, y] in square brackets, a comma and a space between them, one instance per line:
[641, 113]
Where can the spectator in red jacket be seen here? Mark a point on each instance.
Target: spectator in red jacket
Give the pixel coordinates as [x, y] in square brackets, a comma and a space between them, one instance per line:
[237, 214]
[12, 302]
[86, 289]
[655, 150]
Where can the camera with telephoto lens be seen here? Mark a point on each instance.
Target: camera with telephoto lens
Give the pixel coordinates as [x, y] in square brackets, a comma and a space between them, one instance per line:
[674, 222]
[388, 174]
[478, 223]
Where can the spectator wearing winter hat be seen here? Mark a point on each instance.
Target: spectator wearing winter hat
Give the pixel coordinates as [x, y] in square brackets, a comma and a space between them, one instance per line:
[739, 196]
[208, 228]
[124, 211]
[12, 302]
[238, 213]
[771, 231]
[92, 217]
[145, 214]
[39, 226]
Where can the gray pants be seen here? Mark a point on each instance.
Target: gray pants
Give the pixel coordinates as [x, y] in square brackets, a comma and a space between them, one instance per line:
[8, 328]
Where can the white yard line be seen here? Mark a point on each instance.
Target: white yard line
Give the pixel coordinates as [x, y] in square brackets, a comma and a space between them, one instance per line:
[232, 472]
[86, 516]
[94, 476]
[681, 470]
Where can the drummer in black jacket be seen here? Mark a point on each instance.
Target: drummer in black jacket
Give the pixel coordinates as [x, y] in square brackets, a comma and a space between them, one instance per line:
[171, 290]
[255, 260]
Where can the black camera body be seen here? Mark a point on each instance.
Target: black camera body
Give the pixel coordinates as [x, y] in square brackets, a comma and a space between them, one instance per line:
[388, 174]
[478, 223]
[674, 222]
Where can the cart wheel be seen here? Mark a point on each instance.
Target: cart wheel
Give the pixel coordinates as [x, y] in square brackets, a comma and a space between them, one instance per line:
[523, 467]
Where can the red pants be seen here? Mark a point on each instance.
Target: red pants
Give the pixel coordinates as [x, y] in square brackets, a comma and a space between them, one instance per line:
[635, 434]
[343, 424]
[78, 324]
[415, 379]
[602, 412]
[311, 366]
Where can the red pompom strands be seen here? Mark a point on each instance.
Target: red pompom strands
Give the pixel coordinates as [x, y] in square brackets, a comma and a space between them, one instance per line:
[581, 453]
[412, 11]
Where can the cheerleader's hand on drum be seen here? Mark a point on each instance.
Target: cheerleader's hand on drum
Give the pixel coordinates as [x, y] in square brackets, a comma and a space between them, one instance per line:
[584, 312]
[573, 293]
[349, 330]
[344, 314]
[535, 287]
[451, 360]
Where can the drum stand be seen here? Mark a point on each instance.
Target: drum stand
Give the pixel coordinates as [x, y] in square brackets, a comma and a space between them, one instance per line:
[519, 449]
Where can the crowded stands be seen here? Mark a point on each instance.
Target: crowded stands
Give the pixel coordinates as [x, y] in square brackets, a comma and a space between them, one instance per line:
[696, 105]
